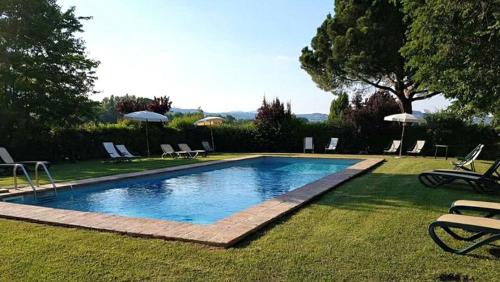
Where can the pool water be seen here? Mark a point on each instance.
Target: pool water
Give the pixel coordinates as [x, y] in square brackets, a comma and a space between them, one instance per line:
[201, 195]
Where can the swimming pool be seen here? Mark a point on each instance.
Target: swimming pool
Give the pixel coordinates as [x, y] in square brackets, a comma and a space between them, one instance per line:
[202, 195]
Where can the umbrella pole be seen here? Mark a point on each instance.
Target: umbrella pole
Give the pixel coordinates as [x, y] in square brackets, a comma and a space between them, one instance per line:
[402, 137]
[147, 137]
[212, 135]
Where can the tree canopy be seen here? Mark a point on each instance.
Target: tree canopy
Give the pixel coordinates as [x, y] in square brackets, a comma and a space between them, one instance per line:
[45, 74]
[360, 45]
[456, 49]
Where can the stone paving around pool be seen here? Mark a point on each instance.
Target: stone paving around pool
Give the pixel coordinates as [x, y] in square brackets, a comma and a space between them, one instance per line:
[223, 233]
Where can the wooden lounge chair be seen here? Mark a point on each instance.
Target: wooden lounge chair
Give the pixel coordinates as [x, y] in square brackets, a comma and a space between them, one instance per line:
[124, 152]
[333, 145]
[191, 153]
[113, 153]
[393, 148]
[418, 148]
[308, 144]
[207, 146]
[488, 209]
[487, 182]
[168, 150]
[469, 159]
[485, 231]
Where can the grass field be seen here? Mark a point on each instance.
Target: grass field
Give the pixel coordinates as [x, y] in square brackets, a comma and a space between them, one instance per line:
[373, 228]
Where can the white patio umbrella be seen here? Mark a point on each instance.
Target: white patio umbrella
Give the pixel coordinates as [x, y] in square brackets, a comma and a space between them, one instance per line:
[146, 116]
[404, 118]
[210, 121]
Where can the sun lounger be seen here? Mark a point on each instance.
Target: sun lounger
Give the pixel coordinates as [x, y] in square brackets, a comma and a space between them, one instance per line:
[113, 153]
[124, 152]
[8, 162]
[207, 146]
[489, 209]
[485, 231]
[168, 150]
[487, 182]
[191, 153]
[393, 148]
[308, 144]
[418, 148]
[333, 145]
[7, 159]
[469, 159]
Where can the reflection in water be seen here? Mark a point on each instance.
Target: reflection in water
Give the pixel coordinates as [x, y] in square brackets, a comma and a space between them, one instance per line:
[202, 195]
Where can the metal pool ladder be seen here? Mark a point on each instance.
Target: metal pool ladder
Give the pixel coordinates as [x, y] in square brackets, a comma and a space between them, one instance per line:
[37, 178]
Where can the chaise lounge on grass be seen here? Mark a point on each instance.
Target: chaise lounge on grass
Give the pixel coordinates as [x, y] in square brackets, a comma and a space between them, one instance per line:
[485, 231]
[113, 153]
[417, 149]
[489, 209]
[393, 148]
[469, 159]
[308, 144]
[168, 150]
[191, 153]
[124, 152]
[487, 182]
[7, 159]
[332, 146]
[207, 146]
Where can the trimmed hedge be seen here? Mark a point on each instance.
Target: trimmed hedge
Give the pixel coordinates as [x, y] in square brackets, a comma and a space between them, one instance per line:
[85, 143]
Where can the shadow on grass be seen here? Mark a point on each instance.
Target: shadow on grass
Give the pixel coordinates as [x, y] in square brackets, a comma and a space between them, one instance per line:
[376, 192]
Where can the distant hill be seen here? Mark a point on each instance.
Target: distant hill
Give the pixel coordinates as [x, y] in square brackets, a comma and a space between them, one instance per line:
[314, 117]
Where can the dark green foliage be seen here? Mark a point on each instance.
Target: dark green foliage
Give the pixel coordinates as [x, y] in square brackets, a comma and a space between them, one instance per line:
[45, 75]
[455, 48]
[360, 45]
[449, 128]
[338, 107]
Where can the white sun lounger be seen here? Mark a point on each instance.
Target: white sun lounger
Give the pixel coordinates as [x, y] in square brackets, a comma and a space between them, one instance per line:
[333, 145]
[469, 159]
[207, 146]
[308, 144]
[418, 147]
[113, 153]
[393, 148]
[168, 150]
[191, 153]
[124, 152]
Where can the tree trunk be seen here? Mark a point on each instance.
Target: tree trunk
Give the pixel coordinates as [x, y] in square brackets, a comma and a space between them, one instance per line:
[405, 105]
[404, 102]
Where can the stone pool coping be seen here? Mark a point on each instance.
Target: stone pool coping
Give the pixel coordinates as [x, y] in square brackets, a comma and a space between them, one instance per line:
[223, 233]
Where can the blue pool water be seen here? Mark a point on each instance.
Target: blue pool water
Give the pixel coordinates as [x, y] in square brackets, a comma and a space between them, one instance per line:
[201, 195]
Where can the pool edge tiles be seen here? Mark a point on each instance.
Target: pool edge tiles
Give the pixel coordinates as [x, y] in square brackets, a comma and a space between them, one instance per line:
[223, 233]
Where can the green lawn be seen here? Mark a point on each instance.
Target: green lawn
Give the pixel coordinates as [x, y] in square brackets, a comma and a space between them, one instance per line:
[371, 228]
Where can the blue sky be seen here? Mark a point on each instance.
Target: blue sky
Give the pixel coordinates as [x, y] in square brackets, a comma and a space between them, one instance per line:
[220, 55]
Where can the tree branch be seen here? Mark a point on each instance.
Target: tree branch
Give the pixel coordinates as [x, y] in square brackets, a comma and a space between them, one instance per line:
[425, 96]
[379, 86]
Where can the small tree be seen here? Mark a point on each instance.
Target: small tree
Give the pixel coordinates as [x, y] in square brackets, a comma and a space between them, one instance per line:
[338, 107]
[160, 105]
[131, 104]
[273, 124]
